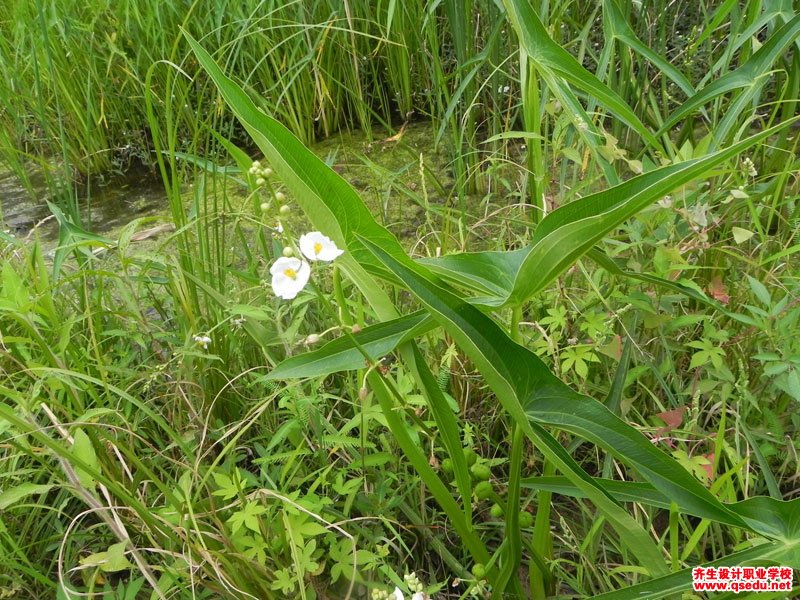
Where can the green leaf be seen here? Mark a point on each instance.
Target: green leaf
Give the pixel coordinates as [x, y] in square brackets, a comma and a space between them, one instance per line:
[110, 561]
[449, 431]
[749, 75]
[83, 450]
[760, 291]
[619, 28]
[342, 355]
[247, 517]
[553, 63]
[329, 202]
[516, 375]
[674, 583]
[11, 496]
[419, 461]
[572, 230]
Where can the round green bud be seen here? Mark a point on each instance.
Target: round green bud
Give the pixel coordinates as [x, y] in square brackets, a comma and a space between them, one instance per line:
[525, 518]
[285, 209]
[447, 465]
[480, 472]
[261, 181]
[483, 490]
[496, 511]
[479, 571]
[288, 252]
[280, 196]
[471, 456]
[264, 206]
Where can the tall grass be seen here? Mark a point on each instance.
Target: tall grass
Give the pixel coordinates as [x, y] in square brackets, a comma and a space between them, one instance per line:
[135, 462]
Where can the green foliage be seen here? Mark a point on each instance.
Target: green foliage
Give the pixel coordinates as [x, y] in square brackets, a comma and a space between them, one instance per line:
[577, 360]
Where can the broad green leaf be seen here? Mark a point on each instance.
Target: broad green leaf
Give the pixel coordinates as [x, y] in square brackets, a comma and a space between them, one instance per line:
[83, 450]
[749, 75]
[760, 291]
[571, 230]
[592, 421]
[668, 586]
[329, 202]
[622, 491]
[529, 392]
[777, 519]
[11, 496]
[553, 62]
[110, 561]
[516, 375]
[342, 355]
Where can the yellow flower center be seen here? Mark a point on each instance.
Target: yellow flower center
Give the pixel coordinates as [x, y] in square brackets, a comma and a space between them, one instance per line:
[317, 248]
[291, 273]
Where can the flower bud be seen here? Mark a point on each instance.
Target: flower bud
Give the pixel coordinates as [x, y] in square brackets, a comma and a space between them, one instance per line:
[312, 339]
[280, 196]
[288, 252]
[267, 172]
[261, 181]
[284, 209]
[264, 206]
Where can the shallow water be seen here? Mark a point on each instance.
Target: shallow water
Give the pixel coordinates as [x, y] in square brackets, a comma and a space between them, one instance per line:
[385, 170]
[105, 207]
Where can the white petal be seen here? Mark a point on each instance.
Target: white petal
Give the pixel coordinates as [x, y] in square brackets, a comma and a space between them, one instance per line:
[418, 596]
[316, 246]
[398, 595]
[285, 262]
[288, 287]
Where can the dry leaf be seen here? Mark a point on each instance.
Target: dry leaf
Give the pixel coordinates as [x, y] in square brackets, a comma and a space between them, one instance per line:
[673, 418]
[717, 290]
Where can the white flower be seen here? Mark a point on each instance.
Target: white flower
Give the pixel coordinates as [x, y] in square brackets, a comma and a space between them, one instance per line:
[397, 594]
[316, 246]
[289, 276]
[418, 596]
[202, 340]
[278, 227]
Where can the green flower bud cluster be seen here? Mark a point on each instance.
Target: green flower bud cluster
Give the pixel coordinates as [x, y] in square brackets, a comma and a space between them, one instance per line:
[413, 582]
[260, 172]
[483, 488]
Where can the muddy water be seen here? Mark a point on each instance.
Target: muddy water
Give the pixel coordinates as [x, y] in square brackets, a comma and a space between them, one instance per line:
[385, 170]
[105, 207]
